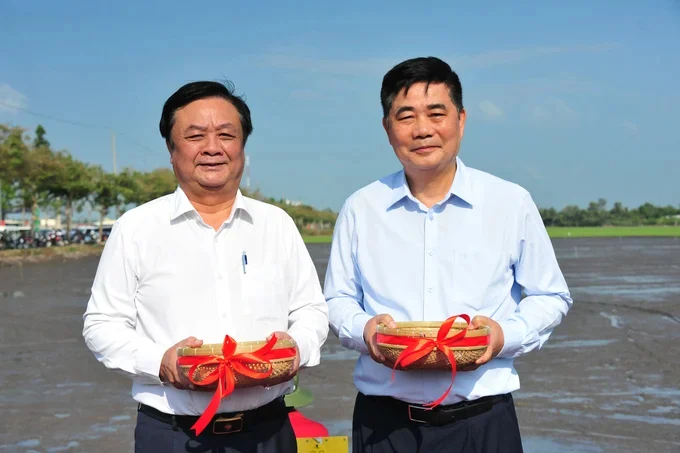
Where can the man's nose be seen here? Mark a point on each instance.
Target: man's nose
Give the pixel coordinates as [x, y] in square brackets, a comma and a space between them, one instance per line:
[212, 145]
[422, 128]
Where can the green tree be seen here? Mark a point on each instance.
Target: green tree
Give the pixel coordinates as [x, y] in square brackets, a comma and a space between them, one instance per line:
[72, 183]
[7, 171]
[570, 216]
[549, 216]
[25, 168]
[157, 183]
[40, 141]
[106, 193]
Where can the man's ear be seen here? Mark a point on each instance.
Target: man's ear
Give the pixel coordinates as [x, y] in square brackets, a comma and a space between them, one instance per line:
[170, 147]
[462, 116]
[386, 124]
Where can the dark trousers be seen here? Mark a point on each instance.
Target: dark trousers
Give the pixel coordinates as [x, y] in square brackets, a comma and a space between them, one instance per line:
[382, 425]
[269, 436]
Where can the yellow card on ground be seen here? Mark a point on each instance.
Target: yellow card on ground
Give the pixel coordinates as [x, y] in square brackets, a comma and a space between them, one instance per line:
[334, 444]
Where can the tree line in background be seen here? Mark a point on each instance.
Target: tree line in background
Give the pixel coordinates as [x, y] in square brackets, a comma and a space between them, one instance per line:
[597, 214]
[33, 175]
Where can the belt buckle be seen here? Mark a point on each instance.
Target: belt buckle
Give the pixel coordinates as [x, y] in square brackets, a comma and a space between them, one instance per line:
[417, 408]
[223, 425]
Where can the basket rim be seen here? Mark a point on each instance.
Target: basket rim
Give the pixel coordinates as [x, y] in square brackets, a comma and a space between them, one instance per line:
[241, 347]
[272, 361]
[453, 348]
[471, 333]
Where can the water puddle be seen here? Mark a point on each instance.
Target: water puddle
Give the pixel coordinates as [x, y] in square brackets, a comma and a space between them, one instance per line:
[534, 444]
[579, 344]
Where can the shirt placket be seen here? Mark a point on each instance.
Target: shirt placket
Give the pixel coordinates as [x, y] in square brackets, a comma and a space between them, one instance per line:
[220, 276]
[430, 290]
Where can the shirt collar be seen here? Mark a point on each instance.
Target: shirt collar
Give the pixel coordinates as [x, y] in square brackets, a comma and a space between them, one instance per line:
[181, 205]
[461, 186]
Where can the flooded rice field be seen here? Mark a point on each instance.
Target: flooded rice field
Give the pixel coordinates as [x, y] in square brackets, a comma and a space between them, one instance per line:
[608, 380]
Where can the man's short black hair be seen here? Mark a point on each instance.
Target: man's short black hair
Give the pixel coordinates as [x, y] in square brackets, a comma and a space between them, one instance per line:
[418, 70]
[202, 90]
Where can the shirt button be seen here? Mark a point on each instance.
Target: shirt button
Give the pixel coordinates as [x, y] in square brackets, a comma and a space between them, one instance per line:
[223, 315]
[430, 289]
[431, 252]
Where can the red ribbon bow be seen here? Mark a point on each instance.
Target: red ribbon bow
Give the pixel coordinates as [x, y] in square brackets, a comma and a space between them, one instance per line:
[227, 363]
[417, 348]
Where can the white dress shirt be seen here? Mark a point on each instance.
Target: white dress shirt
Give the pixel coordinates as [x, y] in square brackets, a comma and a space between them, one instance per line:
[474, 252]
[166, 275]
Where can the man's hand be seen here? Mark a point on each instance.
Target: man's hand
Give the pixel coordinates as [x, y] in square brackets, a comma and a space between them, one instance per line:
[170, 372]
[495, 344]
[370, 336]
[296, 363]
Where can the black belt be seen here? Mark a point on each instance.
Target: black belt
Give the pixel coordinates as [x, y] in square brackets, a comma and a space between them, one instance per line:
[440, 415]
[222, 423]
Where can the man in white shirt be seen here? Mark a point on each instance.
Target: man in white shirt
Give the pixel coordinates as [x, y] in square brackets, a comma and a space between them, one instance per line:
[189, 268]
[429, 242]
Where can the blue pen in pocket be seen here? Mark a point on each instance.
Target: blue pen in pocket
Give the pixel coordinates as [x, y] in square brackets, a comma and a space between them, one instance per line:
[244, 261]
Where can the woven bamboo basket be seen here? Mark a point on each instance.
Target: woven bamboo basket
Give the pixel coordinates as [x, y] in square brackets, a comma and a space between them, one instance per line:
[282, 369]
[435, 360]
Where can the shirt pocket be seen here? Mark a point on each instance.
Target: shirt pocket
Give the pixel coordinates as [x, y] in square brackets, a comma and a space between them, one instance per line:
[264, 294]
[475, 275]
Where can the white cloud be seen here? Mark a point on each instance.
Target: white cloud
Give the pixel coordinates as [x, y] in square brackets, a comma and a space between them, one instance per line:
[341, 67]
[562, 109]
[540, 112]
[631, 127]
[288, 59]
[490, 110]
[546, 86]
[553, 110]
[9, 98]
[512, 56]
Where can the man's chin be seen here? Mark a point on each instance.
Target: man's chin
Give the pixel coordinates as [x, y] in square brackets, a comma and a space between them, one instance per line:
[429, 163]
[213, 184]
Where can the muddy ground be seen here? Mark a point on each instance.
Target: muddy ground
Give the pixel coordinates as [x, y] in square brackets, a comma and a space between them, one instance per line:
[607, 381]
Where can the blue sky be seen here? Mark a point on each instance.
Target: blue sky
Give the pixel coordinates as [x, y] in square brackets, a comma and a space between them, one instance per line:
[573, 101]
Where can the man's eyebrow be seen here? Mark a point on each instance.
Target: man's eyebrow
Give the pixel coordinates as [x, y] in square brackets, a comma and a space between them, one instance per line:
[408, 108]
[195, 127]
[403, 109]
[192, 127]
[226, 126]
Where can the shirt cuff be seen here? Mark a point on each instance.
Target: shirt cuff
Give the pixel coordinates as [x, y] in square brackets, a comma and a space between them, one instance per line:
[309, 355]
[148, 362]
[358, 325]
[513, 334]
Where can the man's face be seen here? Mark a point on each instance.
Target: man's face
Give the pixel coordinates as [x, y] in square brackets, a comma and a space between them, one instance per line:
[425, 128]
[208, 151]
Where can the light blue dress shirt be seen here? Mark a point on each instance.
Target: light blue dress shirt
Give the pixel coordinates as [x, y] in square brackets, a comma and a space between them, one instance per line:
[474, 252]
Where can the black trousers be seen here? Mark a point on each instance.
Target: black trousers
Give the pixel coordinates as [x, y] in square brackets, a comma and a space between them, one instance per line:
[269, 436]
[383, 427]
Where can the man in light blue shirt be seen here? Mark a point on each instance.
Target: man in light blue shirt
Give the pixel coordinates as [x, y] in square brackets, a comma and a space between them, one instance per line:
[434, 240]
